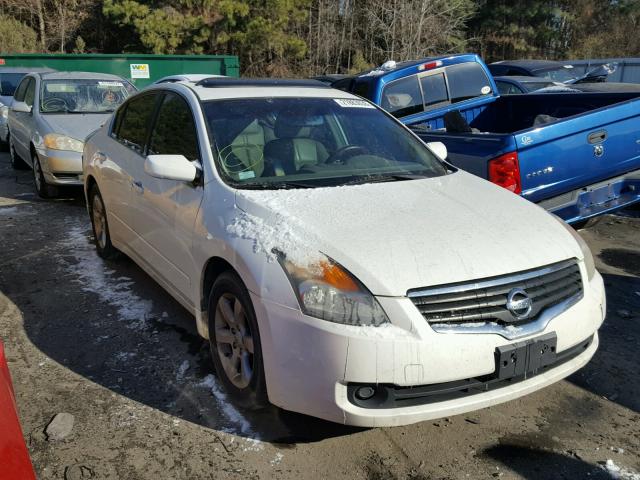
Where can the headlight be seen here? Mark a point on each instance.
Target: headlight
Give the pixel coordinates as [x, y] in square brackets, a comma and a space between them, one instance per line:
[327, 291]
[586, 251]
[4, 111]
[55, 141]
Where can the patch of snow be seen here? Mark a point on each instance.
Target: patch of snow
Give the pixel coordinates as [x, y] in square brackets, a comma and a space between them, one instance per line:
[8, 211]
[184, 366]
[277, 459]
[620, 473]
[94, 276]
[269, 237]
[239, 424]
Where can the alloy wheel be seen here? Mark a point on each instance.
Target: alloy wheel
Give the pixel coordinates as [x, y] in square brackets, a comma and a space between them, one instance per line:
[234, 340]
[99, 221]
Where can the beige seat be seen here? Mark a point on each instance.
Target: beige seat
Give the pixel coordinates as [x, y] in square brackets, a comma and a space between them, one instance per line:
[293, 149]
[248, 148]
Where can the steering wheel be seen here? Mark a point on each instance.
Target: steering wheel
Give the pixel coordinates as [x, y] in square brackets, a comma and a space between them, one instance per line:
[348, 151]
[54, 104]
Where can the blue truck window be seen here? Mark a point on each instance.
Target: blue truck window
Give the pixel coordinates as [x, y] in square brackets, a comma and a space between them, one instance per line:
[631, 74]
[467, 80]
[434, 88]
[402, 97]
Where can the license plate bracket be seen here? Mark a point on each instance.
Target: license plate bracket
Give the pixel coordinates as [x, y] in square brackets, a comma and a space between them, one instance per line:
[525, 358]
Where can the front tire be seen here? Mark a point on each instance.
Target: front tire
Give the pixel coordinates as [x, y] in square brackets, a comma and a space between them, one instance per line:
[100, 226]
[234, 340]
[42, 187]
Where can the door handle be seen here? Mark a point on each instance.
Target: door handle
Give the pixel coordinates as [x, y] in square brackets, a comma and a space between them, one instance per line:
[137, 186]
[597, 137]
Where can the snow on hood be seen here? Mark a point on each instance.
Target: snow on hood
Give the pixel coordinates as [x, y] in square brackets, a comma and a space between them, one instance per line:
[74, 125]
[396, 236]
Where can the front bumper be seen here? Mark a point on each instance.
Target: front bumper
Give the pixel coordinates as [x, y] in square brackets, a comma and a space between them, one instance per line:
[61, 167]
[309, 363]
[596, 199]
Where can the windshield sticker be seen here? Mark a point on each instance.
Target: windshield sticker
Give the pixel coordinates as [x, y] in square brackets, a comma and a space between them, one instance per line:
[484, 90]
[352, 103]
[110, 84]
[246, 175]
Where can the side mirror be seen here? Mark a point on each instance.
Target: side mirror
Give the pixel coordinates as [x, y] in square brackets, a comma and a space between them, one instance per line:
[170, 167]
[20, 107]
[439, 149]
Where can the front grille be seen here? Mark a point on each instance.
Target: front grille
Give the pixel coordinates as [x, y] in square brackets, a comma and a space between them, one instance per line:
[485, 301]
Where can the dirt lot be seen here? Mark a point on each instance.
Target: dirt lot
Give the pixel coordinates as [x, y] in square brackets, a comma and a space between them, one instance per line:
[107, 345]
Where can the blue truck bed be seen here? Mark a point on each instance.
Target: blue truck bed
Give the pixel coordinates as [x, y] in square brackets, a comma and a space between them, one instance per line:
[575, 154]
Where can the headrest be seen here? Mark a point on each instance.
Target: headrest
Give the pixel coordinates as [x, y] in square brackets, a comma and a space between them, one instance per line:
[289, 125]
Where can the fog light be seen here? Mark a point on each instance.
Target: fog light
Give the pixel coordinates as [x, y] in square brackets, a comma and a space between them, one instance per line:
[365, 393]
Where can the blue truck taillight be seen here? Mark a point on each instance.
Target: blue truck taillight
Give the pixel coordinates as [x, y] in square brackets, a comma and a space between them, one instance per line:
[505, 171]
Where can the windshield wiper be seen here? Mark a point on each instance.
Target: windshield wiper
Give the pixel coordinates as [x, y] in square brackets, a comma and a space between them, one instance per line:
[385, 178]
[275, 186]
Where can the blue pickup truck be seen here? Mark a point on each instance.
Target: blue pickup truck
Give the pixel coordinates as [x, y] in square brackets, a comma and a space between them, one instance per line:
[575, 154]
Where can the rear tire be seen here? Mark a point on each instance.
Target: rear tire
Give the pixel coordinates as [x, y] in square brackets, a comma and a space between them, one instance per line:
[16, 162]
[234, 340]
[42, 187]
[100, 226]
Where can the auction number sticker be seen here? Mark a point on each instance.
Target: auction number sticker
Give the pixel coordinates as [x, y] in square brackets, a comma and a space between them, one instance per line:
[139, 70]
[110, 84]
[353, 103]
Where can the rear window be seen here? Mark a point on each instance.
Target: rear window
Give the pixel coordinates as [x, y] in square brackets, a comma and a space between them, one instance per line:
[425, 91]
[467, 80]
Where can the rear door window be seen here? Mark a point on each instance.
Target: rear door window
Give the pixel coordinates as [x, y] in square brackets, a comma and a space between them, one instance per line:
[403, 97]
[136, 121]
[466, 81]
[174, 132]
[434, 88]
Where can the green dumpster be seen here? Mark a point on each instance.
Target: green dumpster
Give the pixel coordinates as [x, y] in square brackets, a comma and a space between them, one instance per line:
[141, 70]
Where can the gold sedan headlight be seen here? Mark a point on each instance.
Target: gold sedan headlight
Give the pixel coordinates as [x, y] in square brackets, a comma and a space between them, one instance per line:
[56, 141]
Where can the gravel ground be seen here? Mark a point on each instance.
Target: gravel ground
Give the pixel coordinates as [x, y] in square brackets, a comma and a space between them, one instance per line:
[103, 344]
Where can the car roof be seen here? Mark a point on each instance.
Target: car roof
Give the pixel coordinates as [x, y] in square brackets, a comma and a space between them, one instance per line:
[230, 88]
[187, 77]
[531, 64]
[25, 70]
[79, 76]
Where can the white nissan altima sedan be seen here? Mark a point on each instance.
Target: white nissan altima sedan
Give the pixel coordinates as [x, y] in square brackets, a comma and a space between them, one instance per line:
[338, 266]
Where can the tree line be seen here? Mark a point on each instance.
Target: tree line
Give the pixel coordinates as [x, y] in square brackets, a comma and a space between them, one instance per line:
[308, 37]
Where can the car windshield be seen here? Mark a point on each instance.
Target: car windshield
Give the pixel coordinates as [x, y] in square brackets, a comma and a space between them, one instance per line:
[563, 73]
[310, 142]
[9, 82]
[83, 96]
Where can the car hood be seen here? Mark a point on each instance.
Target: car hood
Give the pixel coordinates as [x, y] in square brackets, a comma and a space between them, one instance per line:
[74, 125]
[396, 236]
